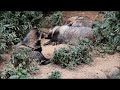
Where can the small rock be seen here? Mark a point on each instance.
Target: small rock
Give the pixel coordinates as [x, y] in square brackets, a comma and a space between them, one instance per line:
[100, 75]
[114, 73]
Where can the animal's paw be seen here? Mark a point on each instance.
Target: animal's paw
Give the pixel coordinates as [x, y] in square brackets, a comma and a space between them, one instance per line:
[46, 62]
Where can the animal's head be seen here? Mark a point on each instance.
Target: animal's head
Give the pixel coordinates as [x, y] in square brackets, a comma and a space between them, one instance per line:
[43, 35]
[51, 32]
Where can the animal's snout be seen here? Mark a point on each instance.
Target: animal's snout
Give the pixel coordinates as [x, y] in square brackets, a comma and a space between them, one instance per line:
[48, 36]
[44, 35]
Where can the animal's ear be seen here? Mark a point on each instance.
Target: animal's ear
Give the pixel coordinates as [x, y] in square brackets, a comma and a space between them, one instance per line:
[42, 35]
[49, 36]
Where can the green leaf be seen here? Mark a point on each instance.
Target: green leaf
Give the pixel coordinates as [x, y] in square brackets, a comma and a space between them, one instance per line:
[104, 25]
[14, 77]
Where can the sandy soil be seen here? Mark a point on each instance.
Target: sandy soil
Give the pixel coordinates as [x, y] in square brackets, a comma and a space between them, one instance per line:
[91, 14]
[98, 69]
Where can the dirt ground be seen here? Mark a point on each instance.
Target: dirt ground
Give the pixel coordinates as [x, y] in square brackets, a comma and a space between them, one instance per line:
[91, 14]
[98, 69]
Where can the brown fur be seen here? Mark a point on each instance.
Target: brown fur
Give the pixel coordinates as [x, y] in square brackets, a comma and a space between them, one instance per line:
[32, 37]
[33, 40]
[71, 35]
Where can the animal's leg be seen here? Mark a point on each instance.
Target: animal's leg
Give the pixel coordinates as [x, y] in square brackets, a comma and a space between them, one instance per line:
[45, 61]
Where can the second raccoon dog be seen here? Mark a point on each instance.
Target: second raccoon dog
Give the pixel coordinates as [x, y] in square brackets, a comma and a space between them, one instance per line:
[69, 34]
[53, 34]
[33, 40]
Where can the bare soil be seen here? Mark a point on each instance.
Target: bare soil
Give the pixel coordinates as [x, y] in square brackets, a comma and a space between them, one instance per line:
[98, 69]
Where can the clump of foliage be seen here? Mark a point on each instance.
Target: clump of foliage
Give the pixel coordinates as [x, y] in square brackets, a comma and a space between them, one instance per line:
[21, 56]
[7, 39]
[18, 22]
[55, 75]
[21, 66]
[107, 31]
[55, 18]
[73, 55]
[51, 20]
[14, 25]
[10, 72]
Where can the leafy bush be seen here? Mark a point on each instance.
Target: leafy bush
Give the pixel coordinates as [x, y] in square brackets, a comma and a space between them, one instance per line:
[55, 18]
[73, 55]
[55, 75]
[14, 25]
[15, 73]
[21, 56]
[10, 72]
[18, 23]
[20, 66]
[108, 31]
[51, 20]
[7, 39]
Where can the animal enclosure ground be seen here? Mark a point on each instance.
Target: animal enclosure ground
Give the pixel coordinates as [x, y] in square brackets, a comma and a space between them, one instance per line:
[99, 68]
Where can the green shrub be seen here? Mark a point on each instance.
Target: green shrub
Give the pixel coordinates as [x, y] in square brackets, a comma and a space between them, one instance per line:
[14, 25]
[72, 55]
[55, 18]
[51, 20]
[10, 72]
[55, 75]
[19, 22]
[20, 66]
[21, 56]
[107, 31]
[7, 38]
